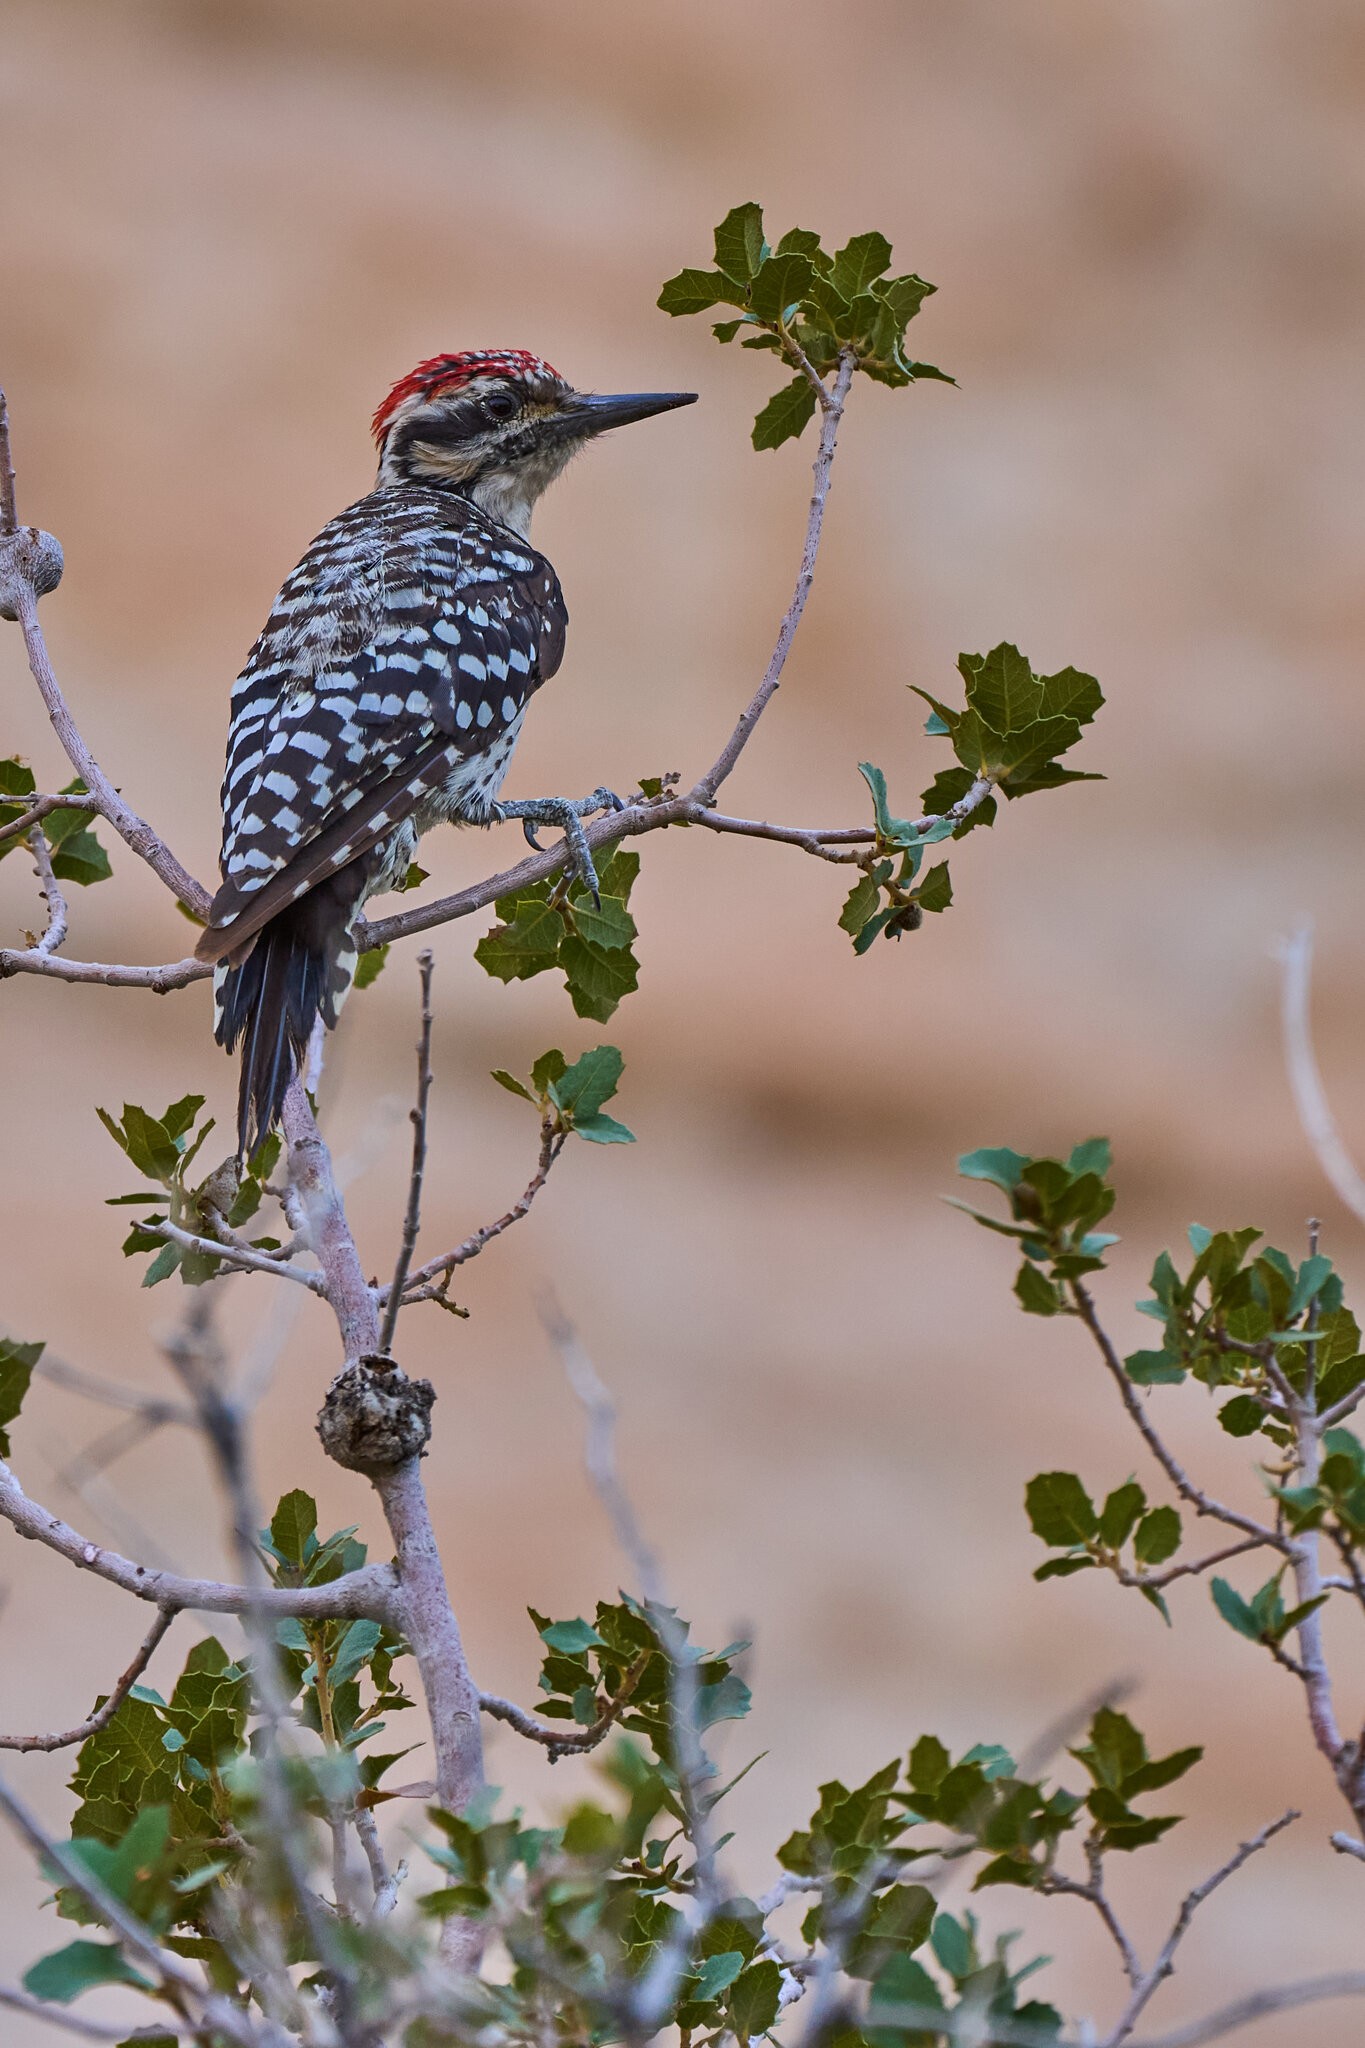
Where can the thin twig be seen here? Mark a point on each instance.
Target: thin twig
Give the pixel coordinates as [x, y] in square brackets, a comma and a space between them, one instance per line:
[72, 2023]
[1202, 1503]
[412, 1220]
[102, 1716]
[558, 1740]
[704, 791]
[1156, 1580]
[9, 516]
[40, 807]
[50, 889]
[1094, 1894]
[1310, 1097]
[1149, 1980]
[552, 1143]
[240, 1257]
[1258, 2005]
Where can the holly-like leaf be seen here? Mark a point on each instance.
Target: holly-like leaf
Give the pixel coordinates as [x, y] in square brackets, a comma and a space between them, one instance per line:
[1060, 1509]
[786, 414]
[370, 966]
[16, 1371]
[740, 248]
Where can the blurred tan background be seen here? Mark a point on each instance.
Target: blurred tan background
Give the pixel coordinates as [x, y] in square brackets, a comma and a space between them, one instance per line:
[226, 227]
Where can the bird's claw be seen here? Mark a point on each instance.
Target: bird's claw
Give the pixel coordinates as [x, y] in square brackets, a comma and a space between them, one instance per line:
[568, 814]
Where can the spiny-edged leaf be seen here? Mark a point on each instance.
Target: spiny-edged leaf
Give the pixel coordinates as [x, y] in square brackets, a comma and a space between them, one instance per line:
[1242, 1415]
[370, 966]
[597, 980]
[859, 905]
[1070, 694]
[785, 415]
[780, 285]
[946, 790]
[78, 1967]
[858, 262]
[610, 927]
[1059, 1508]
[16, 1370]
[293, 1527]
[739, 242]
[592, 1080]
[547, 1070]
[145, 1139]
[805, 242]
[572, 1637]
[1001, 687]
[1158, 1536]
[693, 291]
[935, 892]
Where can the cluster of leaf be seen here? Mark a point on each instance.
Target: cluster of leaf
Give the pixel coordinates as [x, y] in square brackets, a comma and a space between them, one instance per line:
[1054, 1207]
[1263, 1618]
[808, 307]
[16, 1370]
[623, 1654]
[1063, 1514]
[164, 1148]
[570, 1098]
[323, 1662]
[1288, 1315]
[168, 1788]
[77, 855]
[1014, 728]
[557, 924]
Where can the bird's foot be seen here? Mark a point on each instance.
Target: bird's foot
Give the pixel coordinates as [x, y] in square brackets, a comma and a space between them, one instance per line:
[568, 814]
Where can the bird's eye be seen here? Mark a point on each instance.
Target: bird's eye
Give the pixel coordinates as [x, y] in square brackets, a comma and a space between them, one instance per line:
[500, 405]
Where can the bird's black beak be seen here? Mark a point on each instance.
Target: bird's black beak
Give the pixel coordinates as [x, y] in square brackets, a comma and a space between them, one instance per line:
[593, 413]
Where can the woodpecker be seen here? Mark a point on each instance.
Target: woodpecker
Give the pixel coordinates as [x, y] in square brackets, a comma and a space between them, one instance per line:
[386, 692]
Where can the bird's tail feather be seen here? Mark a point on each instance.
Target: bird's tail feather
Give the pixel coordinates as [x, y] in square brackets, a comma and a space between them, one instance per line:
[299, 969]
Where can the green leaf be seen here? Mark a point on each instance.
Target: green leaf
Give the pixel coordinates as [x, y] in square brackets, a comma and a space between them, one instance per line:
[859, 261]
[572, 1637]
[935, 892]
[592, 1080]
[16, 1370]
[603, 1130]
[163, 1265]
[1036, 1293]
[785, 415]
[1059, 1509]
[1235, 1611]
[693, 291]
[512, 1085]
[1119, 1515]
[860, 904]
[597, 980]
[997, 1164]
[293, 1527]
[80, 1966]
[547, 1070]
[79, 858]
[1158, 1536]
[1242, 1415]
[370, 965]
[145, 1139]
[611, 927]
[753, 2001]
[740, 247]
[1153, 1369]
[780, 285]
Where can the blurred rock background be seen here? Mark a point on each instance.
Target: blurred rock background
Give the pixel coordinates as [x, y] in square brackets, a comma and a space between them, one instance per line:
[227, 226]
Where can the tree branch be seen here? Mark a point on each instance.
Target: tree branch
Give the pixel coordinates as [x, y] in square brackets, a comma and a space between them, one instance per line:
[102, 1716]
[369, 1593]
[1148, 1982]
[393, 1300]
[1259, 2005]
[1202, 1503]
[240, 1257]
[418, 1284]
[704, 791]
[1305, 1081]
[50, 889]
[558, 1740]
